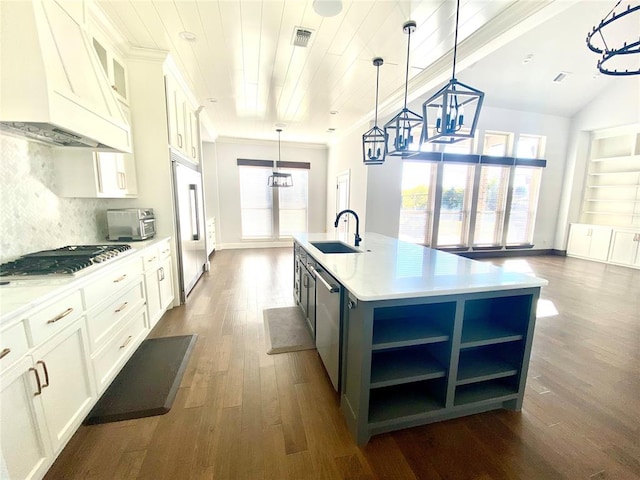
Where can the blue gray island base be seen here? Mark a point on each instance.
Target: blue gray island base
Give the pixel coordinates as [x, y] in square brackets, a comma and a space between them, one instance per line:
[410, 362]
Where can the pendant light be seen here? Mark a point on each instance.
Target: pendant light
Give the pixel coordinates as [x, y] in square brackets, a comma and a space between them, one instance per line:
[452, 113]
[403, 130]
[278, 179]
[620, 56]
[374, 142]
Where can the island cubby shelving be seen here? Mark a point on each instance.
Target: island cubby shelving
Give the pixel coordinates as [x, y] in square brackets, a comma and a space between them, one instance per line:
[409, 362]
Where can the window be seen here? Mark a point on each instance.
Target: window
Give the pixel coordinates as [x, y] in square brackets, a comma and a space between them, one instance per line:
[490, 209]
[468, 200]
[272, 213]
[416, 212]
[522, 214]
[455, 204]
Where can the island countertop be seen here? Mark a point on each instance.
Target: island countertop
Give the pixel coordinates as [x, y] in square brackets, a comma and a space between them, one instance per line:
[387, 268]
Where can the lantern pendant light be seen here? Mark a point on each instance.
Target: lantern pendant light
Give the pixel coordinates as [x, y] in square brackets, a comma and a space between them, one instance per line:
[374, 142]
[278, 179]
[403, 130]
[452, 113]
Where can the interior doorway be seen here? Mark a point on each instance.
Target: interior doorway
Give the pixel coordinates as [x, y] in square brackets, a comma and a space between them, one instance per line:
[342, 201]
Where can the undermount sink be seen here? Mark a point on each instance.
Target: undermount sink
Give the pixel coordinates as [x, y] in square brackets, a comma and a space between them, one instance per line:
[334, 247]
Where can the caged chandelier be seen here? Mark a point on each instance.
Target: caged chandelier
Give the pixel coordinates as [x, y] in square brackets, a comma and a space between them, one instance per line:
[374, 141]
[455, 107]
[620, 55]
[278, 179]
[403, 130]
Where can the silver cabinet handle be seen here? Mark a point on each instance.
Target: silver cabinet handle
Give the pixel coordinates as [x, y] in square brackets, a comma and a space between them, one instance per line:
[4, 352]
[119, 279]
[46, 373]
[180, 140]
[37, 381]
[193, 152]
[60, 316]
[126, 342]
[151, 259]
[121, 307]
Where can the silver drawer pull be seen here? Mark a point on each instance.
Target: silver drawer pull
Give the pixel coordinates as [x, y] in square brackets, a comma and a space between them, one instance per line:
[5, 352]
[46, 373]
[37, 381]
[61, 316]
[122, 307]
[126, 342]
[151, 259]
[119, 279]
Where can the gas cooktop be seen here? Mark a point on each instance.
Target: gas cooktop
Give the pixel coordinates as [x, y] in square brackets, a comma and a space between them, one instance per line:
[61, 261]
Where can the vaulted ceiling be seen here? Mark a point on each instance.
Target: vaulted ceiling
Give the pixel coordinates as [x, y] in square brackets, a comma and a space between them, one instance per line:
[243, 68]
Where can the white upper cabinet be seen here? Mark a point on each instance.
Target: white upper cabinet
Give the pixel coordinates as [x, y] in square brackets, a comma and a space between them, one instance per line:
[184, 134]
[114, 68]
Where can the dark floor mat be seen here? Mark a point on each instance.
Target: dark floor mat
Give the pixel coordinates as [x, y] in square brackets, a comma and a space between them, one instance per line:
[148, 383]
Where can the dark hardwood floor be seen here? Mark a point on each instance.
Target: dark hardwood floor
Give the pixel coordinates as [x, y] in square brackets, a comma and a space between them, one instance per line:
[242, 414]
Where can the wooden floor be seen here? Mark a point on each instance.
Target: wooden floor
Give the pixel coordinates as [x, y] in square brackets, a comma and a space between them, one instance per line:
[242, 414]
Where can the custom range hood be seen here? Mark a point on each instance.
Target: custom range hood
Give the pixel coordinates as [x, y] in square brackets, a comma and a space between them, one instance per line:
[52, 87]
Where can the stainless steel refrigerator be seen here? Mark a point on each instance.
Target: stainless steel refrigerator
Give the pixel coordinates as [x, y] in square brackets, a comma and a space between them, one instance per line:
[192, 254]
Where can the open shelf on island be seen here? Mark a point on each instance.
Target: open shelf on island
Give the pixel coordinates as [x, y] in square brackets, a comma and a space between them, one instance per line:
[493, 390]
[489, 363]
[411, 364]
[495, 320]
[405, 400]
[409, 325]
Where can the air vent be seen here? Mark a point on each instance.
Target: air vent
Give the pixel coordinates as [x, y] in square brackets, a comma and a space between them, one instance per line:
[301, 36]
[560, 77]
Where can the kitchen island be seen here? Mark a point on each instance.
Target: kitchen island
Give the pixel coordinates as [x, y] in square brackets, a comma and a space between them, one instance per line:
[425, 335]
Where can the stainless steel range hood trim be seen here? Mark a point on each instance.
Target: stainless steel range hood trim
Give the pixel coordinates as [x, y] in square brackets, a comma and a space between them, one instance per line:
[51, 80]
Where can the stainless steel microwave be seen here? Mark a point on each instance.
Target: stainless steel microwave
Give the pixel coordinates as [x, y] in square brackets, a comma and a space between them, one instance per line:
[131, 223]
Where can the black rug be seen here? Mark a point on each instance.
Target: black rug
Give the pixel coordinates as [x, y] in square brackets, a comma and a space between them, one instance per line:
[148, 383]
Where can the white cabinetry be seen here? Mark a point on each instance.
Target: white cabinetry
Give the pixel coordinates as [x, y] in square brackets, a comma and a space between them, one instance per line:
[182, 120]
[158, 281]
[589, 241]
[612, 190]
[113, 66]
[87, 174]
[625, 248]
[26, 449]
[211, 235]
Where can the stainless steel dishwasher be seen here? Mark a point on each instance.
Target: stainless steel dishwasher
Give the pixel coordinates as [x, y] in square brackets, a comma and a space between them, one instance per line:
[328, 295]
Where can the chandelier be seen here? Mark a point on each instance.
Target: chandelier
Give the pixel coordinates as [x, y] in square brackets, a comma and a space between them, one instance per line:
[455, 107]
[278, 179]
[402, 131]
[374, 141]
[618, 54]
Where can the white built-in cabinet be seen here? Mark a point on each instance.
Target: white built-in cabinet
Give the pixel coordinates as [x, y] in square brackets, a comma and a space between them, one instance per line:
[158, 273]
[182, 120]
[112, 64]
[610, 215]
[86, 174]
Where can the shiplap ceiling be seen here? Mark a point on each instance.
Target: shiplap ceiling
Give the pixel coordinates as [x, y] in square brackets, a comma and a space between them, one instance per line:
[244, 70]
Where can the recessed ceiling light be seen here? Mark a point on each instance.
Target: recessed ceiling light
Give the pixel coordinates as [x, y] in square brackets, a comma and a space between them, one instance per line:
[333, 112]
[188, 36]
[331, 130]
[281, 125]
[212, 100]
[327, 8]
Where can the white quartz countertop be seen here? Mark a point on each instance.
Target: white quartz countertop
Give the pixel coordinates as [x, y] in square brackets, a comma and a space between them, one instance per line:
[20, 296]
[388, 268]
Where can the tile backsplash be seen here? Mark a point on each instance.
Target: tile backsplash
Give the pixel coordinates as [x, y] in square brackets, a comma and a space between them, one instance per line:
[32, 216]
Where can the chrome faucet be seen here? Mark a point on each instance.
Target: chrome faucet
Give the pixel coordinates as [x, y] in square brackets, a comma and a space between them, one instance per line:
[335, 224]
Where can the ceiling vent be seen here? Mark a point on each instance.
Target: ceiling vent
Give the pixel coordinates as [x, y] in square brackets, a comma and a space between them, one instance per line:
[301, 36]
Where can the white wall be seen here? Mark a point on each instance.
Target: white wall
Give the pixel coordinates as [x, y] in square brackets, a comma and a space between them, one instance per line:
[210, 181]
[613, 107]
[384, 181]
[228, 150]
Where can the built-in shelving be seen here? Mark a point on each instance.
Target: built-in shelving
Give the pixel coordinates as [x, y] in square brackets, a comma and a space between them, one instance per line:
[400, 401]
[489, 363]
[405, 365]
[612, 185]
[489, 392]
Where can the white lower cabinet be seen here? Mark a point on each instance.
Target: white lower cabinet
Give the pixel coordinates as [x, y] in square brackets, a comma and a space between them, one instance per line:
[625, 248]
[589, 241]
[158, 274]
[67, 382]
[26, 448]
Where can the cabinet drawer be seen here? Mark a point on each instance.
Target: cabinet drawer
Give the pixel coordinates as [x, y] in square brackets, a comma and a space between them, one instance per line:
[109, 360]
[111, 282]
[164, 249]
[50, 320]
[13, 344]
[150, 259]
[104, 322]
